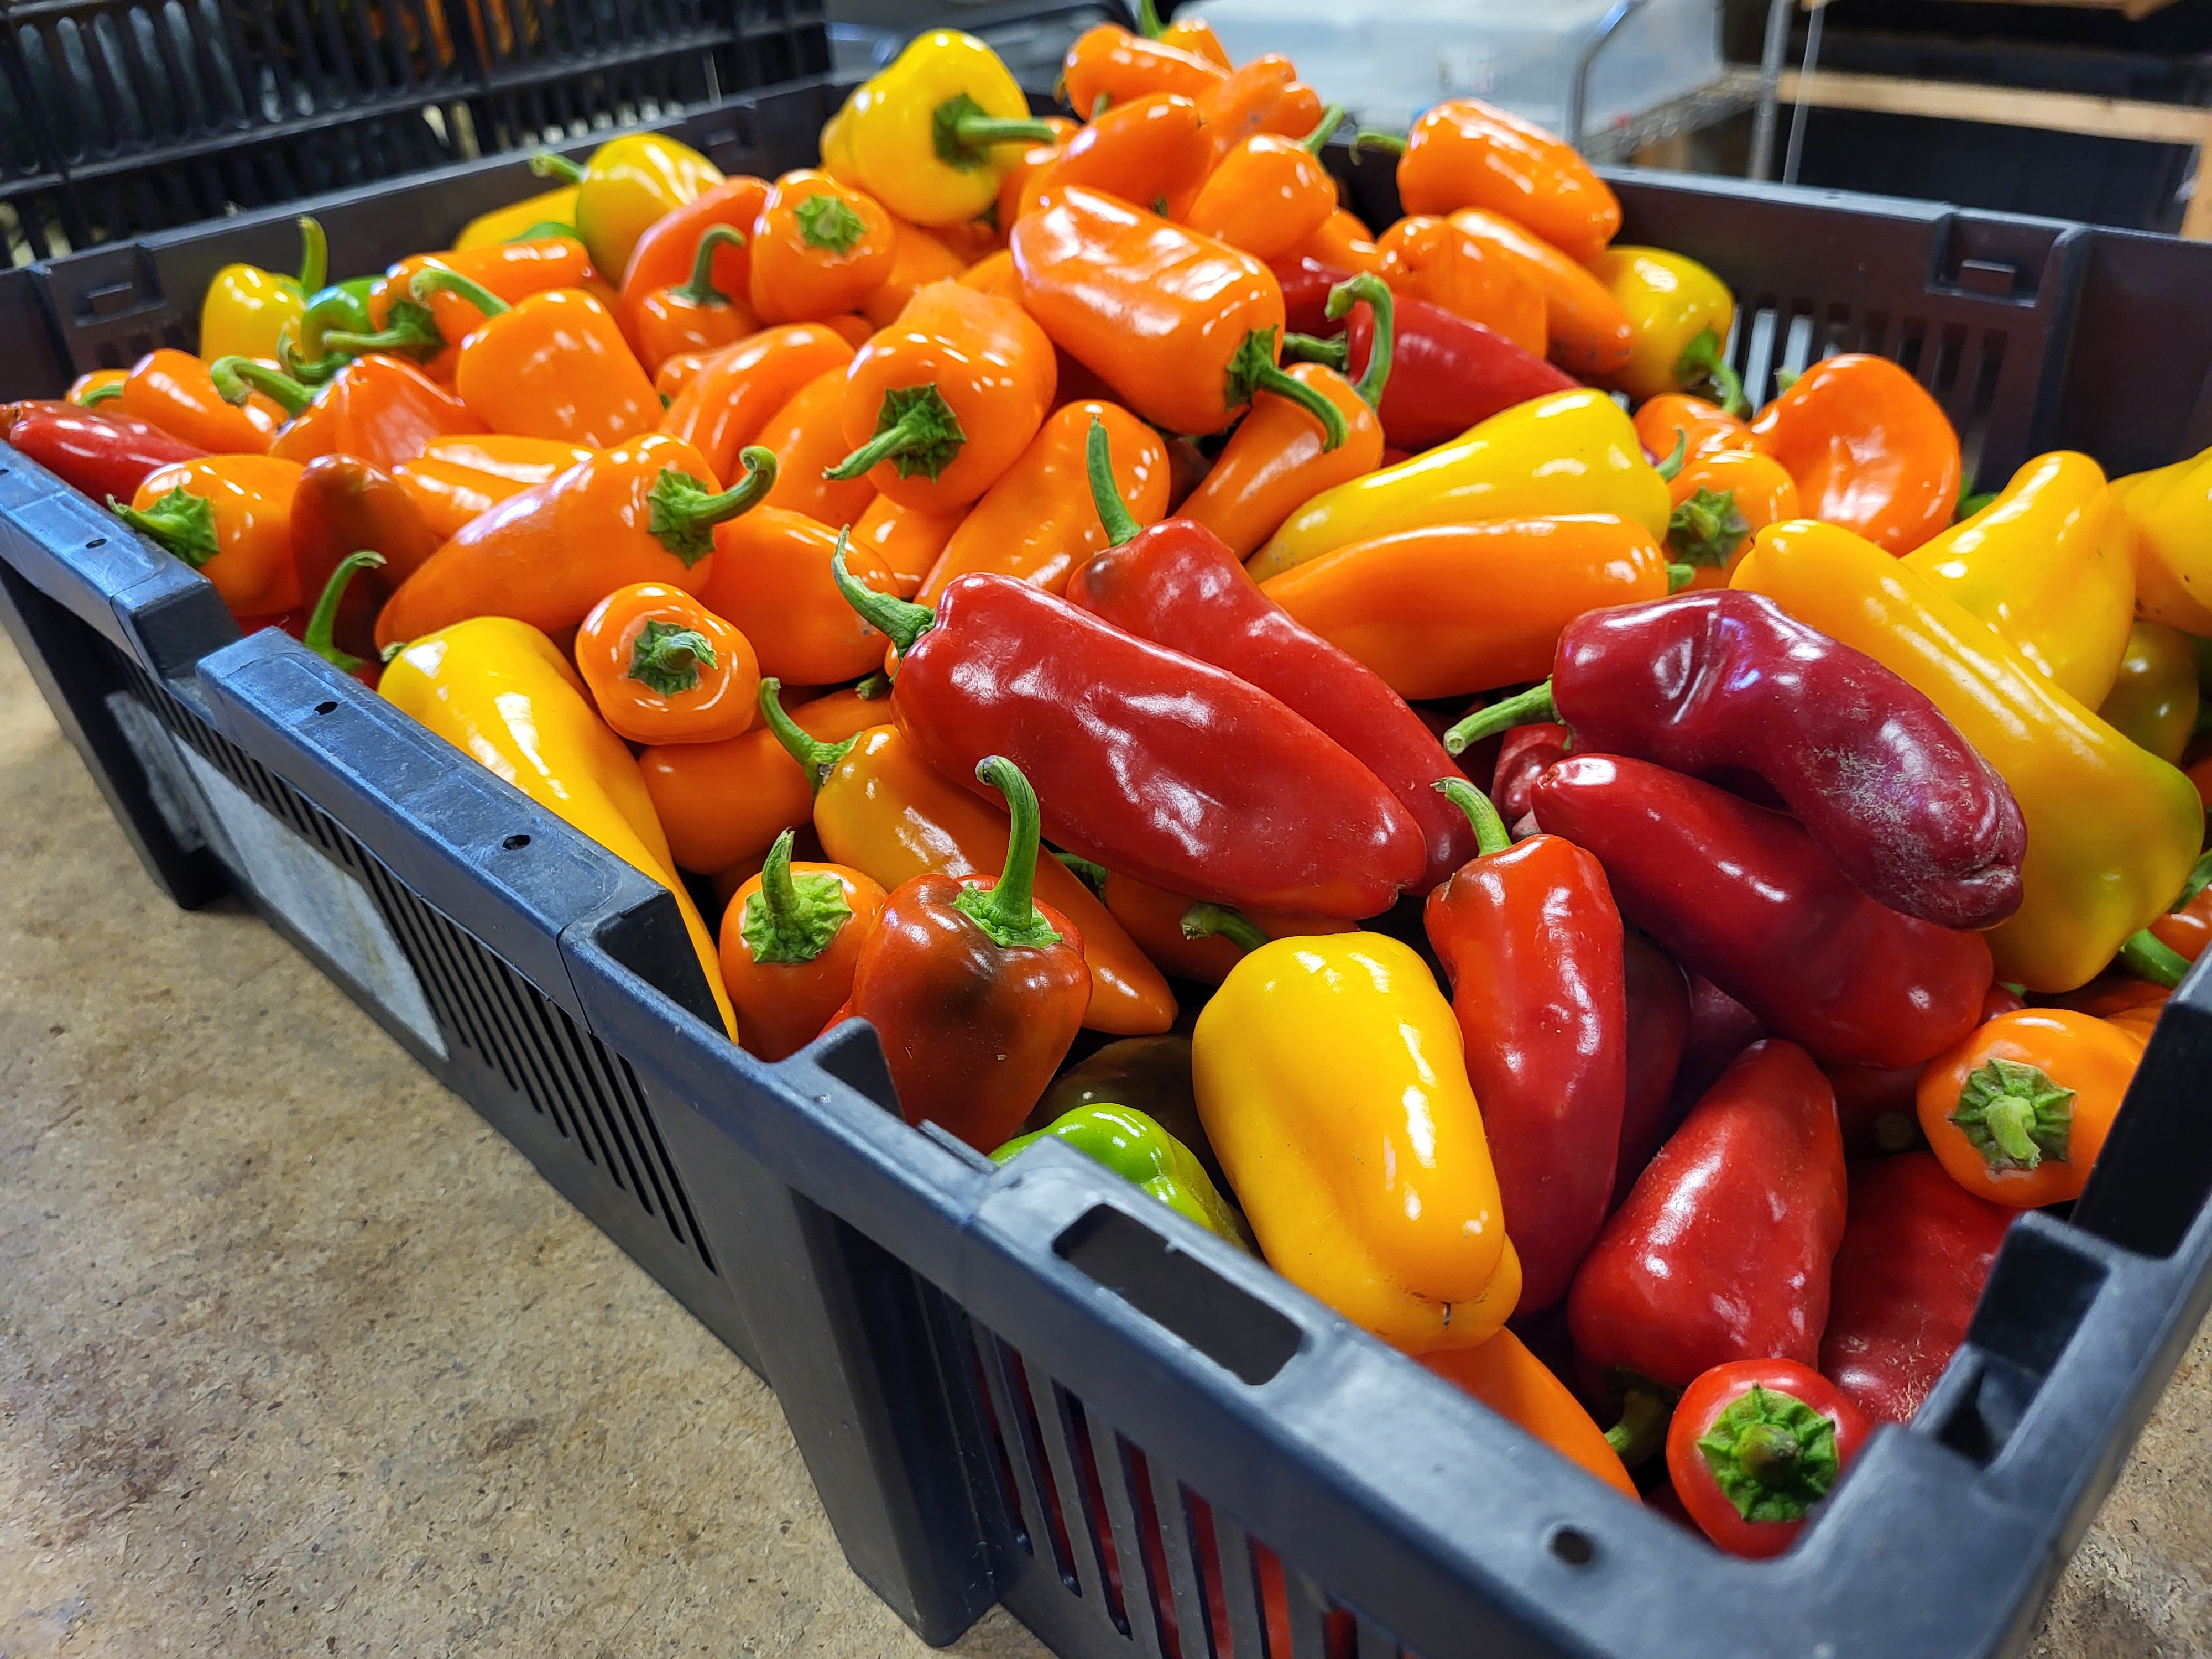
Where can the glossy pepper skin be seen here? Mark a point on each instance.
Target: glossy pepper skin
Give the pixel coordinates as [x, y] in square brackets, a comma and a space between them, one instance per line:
[818, 248]
[382, 409]
[174, 391]
[693, 315]
[1267, 196]
[431, 329]
[229, 517]
[1108, 60]
[629, 185]
[791, 938]
[1464, 153]
[771, 579]
[1715, 684]
[342, 504]
[1722, 498]
[1150, 1074]
[1189, 938]
[918, 259]
[668, 253]
[1753, 1445]
[807, 438]
[1658, 995]
[506, 224]
[2018, 1112]
[1190, 758]
[663, 668]
[1722, 1250]
[1519, 1387]
[1917, 1251]
[101, 453]
[2090, 879]
[2163, 519]
[932, 135]
[1145, 1155]
[1330, 1079]
[734, 397]
[456, 479]
[2155, 699]
[1531, 945]
[246, 308]
[503, 694]
[1586, 329]
[975, 989]
[1176, 584]
[1191, 34]
[1679, 315]
[907, 543]
[1148, 151]
[1031, 162]
[1870, 450]
[1427, 258]
[554, 366]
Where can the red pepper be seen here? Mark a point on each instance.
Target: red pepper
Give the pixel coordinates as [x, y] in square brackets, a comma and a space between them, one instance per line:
[1168, 768]
[100, 455]
[1915, 1255]
[1877, 1107]
[342, 505]
[1527, 753]
[1755, 1444]
[1178, 584]
[1446, 374]
[1722, 1251]
[1745, 896]
[1720, 1029]
[1531, 945]
[1717, 682]
[1658, 1028]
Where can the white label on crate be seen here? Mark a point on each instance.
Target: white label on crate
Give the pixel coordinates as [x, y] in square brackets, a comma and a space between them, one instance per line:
[157, 751]
[327, 905]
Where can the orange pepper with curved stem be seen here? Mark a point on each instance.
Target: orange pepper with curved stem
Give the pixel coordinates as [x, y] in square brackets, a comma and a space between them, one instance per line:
[1464, 153]
[1192, 34]
[1520, 1388]
[790, 938]
[1870, 450]
[668, 251]
[2018, 1112]
[1675, 419]
[229, 517]
[431, 329]
[552, 365]
[904, 539]
[1587, 328]
[1038, 522]
[771, 581]
[734, 397]
[1722, 499]
[92, 389]
[695, 315]
[818, 247]
[1342, 243]
[1111, 61]
[1268, 195]
[176, 391]
[380, 408]
[807, 436]
[921, 259]
[1246, 96]
[663, 668]
[456, 479]
[1149, 151]
[1437, 261]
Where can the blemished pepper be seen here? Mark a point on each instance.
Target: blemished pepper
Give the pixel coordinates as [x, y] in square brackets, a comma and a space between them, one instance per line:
[1123, 67]
[1870, 450]
[552, 365]
[1658, 1031]
[734, 397]
[2018, 1112]
[503, 694]
[1145, 1155]
[629, 185]
[932, 134]
[1504, 1375]
[1917, 1250]
[1150, 149]
[2154, 698]
[1586, 326]
[1177, 585]
[1431, 259]
[1329, 1077]
[691, 316]
[818, 248]
[175, 391]
[907, 543]
[791, 938]
[1156, 763]
[1183, 327]
[1268, 195]
[771, 579]
[642, 511]
[456, 479]
[663, 668]
[229, 517]
[1721, 684]
[2090, 878]
[668, 253]
[340, 506]
[1463, 152]
[246, 308]
[1573, 453]
[2164, 519]
[939, 404]
[1531, 946]
[100, 452]
[1679, 315]
[1743, 896]
[807, 438]
[1722, 1251]
[1755, 1444]
[975, 989]
[1454, 607]
[380, 408]
[506, 224]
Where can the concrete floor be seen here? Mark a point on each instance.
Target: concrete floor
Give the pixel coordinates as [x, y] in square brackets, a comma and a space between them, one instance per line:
[298, 1358]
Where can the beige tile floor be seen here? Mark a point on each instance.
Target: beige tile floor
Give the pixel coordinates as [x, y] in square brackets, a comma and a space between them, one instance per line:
[298, 1358]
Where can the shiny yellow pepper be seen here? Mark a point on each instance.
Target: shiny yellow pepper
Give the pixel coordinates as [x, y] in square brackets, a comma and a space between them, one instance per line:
[2037, 565]
[1680, 314]
[2112, 830]
[2154, 701]
[503, 694]
[932, 135]
[628, 183]
[551, 207]
[246, 309]
[2167, 517]
[837, 144]
[1332, 1081]
[1572, 452]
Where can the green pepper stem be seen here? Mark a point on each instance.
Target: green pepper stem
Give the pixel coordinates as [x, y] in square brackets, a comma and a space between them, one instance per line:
[1092, 875]
[900, 621]
[1491, 835]
[408, 328]
[1680, 576]
[915, 428]
[792, 919]
[1702, 363]
[814, 756]
[181, 523]
[436, 279]
[1770, 1454]
[1641, 1430]
[964, 131]
[236, 379]
[1007, 911]
[1671, 467]
[684, 514]
[1707, 528]
[2014, 1114]
[1148, 21]
[873, 686]
[2147, 957]
[1376, 294]
[314, 255]
[666, 658]
[101, 394]
[701, 289]
[1389, 143]
[1311, 348]
[322, 622]
[1114, 515]
[546, 165]
[1253, 370]
[1525, 708]
[2200, 878]
[1204, 920]
[1331, 118]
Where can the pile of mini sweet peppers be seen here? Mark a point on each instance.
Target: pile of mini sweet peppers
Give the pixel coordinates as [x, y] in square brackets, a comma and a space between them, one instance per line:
[1677, 881]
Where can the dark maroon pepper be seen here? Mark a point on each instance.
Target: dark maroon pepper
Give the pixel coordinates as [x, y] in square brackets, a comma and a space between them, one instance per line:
[101, 455]
[1715, 682]
[1720, 1029]
[1522, 758]
[1658, 1022]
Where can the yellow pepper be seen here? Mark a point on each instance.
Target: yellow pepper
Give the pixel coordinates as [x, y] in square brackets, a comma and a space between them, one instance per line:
[1332, 1081]
[2112, 830]
[2036, 565]
[628, 183]
[2168, 516]
[2154, 702]
[837, 144]
[1572, 452]
[551, 207]
[502, 693]
[1680, 314]
[932, 135]
[246, 309]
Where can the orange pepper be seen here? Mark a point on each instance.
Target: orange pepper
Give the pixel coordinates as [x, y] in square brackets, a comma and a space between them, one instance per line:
[668, 253]
[1202, 947]
[552, 365]
[1588, 329]
[790, 938]
[771, 580]
[380, 408]
[89, 390]
[175, 391]
[2186, 929]
[229, 517]
[918, 260]
[1469, 275]
[1034, 160]
[1449, 609]
[456, 479]
[1268, 195]
[1111, 61]
[1870, 449]
[731, 401]
[1296, 113]
[818, 247]
[431, 329]
[724, 804]
[907, 542]
[1192, 34]
[851, 327]
[993, 274]
[940, 403]
[1038, 523]
[642, 511]
[663, 668]
[2018, 1112]
[807, 435]
[1699, 427]
[691, 316]
[1343, 243]
[1464, 153]
[685, 367]
[1722, 499]
[975, 239]
[1246, 97]
[1520, 1388]
[1150, 150]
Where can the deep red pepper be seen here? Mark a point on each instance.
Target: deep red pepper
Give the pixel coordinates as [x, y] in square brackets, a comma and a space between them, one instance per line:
[1722, 1251]
[343, 505]
[1524, 754]
[1178, 584]
[1877, 1108]
[1531, 945]
[1720, 1029]
[1755, 1444]
[1743, 896]
[100, 455]
[1658, 1026]
[1446, 374]
[1723, 681]
[1148, 761]
[1915, 1255]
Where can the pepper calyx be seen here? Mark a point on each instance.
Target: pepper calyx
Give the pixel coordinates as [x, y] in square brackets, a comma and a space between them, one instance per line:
[916, 431]
[1707, 528]
[1771, 1455]
[900, 621]
[665, 658]
[792, 918]
[1006, 911]
[1703, 364]
[1253, 370]
[963, 132]
[828, 222]
[181, 523]
[681, 513]
[2014, 1114]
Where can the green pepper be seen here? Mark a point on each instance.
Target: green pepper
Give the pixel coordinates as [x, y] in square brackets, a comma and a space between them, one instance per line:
[1142, 1153]
[1150, 1074]
[340, 308]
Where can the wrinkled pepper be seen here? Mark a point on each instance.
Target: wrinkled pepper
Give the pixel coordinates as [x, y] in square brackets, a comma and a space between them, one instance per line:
[2018, 1112]
[229, 517]
[1463, 152]
[1426, 258]
[1147, 1157]
[1587, 328]
[791, 938]
[1870, 450]
[1755, 1444]
[663, 668]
